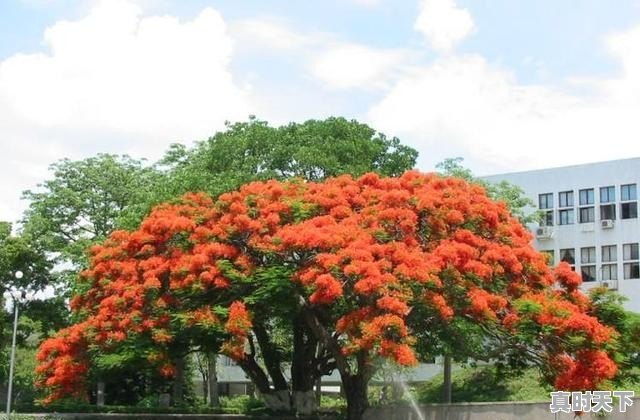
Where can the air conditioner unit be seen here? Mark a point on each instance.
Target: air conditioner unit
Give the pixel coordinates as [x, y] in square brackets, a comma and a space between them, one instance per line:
[544, 232]
[610, 284]
[606, 224]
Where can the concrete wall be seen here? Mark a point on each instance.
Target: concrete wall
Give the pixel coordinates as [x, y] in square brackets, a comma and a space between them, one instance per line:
[492, 411]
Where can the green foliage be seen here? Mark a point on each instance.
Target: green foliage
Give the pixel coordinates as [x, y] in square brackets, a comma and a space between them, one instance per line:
[24, 374]
[47, 316]
[22, 253]
[486, 383]
[86, 200]
[608, 308]
[454, 167]
[313, 150]
[37, 318]
[332, 402]
[242, 404]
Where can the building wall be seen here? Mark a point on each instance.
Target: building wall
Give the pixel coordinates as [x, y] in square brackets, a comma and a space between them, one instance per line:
[581, 235]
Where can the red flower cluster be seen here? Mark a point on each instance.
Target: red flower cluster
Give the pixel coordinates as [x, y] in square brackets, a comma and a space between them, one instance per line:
[584, 371]
[64, 364]
[238, 326]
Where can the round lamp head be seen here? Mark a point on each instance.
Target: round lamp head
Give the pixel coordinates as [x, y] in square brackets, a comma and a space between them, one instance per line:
[18, 274]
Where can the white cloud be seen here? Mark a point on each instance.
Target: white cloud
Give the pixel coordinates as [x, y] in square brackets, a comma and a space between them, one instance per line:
[625, 46]
[347, 65]
[336, 63]
[115, 81]
[465, 102]
[443, 23]
[267, 32]
[116, 70]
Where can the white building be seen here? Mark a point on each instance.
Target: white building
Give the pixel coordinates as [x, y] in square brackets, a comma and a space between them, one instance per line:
[590, 220]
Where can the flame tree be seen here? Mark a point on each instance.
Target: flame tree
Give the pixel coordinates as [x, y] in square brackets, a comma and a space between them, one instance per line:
[356, 270]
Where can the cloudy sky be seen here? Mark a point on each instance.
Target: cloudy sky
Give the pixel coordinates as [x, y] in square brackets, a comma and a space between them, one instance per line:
[506, 84]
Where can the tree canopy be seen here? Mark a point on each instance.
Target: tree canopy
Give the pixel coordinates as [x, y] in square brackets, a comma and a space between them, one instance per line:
[357, 270]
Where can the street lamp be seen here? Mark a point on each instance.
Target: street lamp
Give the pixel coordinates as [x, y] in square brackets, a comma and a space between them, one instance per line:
[17, 296]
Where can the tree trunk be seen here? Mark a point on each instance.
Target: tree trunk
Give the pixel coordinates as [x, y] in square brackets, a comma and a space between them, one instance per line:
[177, 392]
[354, 385]
[271, 357]
[446, 388]
[212, 382]
[303, 368]
[277, 400]
[318, 391]
[100, 394]
[355, 390]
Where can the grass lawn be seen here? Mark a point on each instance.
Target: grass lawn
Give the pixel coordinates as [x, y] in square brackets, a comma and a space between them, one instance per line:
[482, 384]
[479, 384]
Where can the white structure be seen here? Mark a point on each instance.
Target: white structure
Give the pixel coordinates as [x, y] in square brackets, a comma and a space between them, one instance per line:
[590, 220]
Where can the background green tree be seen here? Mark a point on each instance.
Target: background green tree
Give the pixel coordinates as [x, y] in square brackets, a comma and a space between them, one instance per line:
[38, 319]
[85, 201]
[254, 150]
[608, 308]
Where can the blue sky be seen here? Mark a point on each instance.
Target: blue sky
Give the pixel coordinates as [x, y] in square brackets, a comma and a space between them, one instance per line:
[507, 84]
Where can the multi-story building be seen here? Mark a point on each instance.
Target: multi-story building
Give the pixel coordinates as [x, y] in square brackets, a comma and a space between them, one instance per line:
[590, 220]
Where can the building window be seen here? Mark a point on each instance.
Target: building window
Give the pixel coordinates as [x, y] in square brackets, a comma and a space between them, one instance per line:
[568, 255]
[629, 210]
[631, 270]
[549, 255]
[608, 212]
[587, 263]
[545, 201]
[586, 197]
[607, 194]
[588, 255]
[628, 192]
[565, 217]
[225, 361]
[565, 199]
[609, 271]
[587, 215]
[630, 252]
[629, 205]
[609, 253]
[631, 265]
[588, 273]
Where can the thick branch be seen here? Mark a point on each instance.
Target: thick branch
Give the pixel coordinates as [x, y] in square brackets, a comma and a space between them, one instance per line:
[324, 337]
[255, 373]
[271, 356]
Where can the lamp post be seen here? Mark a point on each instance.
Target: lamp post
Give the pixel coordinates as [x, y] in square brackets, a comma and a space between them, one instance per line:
[15, 295]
